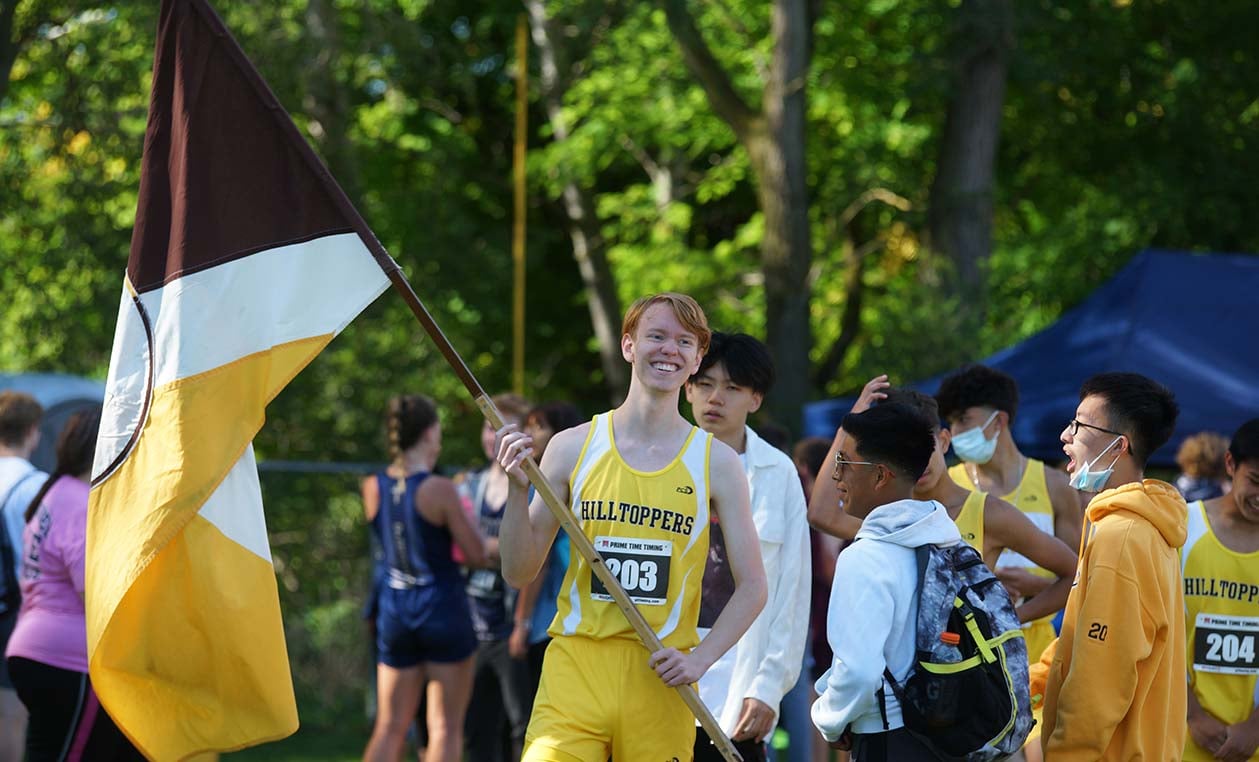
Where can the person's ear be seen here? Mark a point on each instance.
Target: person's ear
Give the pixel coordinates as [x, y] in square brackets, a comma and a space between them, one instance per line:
[757, 399]
[627, 347]
[1230, 465]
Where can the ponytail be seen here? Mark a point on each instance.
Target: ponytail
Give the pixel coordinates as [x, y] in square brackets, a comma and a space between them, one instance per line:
[407, 418]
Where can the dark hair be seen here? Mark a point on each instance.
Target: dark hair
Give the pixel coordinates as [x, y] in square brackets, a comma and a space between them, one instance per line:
[898, 436]
[1245, 444]
[747, 361]
[76, 446]
[977, 386]
[557, 415]
[1143, 409]
[925, 404]
[406, 419]
[19, 413]
[811, 453]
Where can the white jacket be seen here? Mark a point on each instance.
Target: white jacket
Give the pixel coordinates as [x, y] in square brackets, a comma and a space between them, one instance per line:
[766, 661]
[873, 613]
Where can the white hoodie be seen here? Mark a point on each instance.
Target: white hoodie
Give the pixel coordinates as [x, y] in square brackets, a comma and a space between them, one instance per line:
[872, 615]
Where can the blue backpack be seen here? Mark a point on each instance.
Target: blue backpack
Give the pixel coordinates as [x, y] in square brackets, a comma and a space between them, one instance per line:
[967, 695]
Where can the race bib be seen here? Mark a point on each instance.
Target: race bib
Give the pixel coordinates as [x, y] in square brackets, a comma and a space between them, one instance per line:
[641, 566]
[483, 583]
[1225, 644]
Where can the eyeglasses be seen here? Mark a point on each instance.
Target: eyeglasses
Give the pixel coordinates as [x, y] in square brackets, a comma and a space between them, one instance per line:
[1074, 427]
[840, 463]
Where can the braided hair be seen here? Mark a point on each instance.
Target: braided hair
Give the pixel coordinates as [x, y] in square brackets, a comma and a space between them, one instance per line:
[406, 419]
[76, 446]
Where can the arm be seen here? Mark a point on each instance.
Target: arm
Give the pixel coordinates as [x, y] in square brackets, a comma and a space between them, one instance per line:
[438, 502]
[1242, 740]
[1068, 512]
[528, 527]
[1205, 729]
[370, 491]
[847, 690]
[786, 630]
[522, 617]
[826, 513]
[1011, 529]
[730, 501]
[1101, 660]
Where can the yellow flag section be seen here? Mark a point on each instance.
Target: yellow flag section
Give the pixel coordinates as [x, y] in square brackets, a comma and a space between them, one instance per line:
[185, 642]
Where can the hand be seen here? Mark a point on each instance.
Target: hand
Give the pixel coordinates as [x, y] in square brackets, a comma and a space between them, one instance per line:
[1240, 744]
[1207, 732]
[676, 668]
[844, 742]
[1020, 582]
[513, 446]
[754, 722]
[871, 393]
[518, 641]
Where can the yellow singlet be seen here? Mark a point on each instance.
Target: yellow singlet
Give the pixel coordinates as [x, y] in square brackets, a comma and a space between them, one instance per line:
[970, 520]
[652, 529]
[1221, 626]
[1032, 498]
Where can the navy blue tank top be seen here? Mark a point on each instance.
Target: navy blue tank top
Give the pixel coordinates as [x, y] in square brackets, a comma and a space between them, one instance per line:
[493, 601]
[417, 554]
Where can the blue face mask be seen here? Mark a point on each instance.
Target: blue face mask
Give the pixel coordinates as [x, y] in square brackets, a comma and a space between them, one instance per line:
[1086, 480]
[973, 447]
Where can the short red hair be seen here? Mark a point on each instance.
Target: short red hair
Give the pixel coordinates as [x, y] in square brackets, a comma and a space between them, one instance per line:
[685, 309]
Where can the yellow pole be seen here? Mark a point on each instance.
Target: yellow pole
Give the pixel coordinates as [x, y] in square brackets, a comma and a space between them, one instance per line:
[518, 223]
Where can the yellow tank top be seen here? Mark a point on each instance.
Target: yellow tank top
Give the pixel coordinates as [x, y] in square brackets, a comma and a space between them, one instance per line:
[1221, 625]
[652, 531]
[970, 521]
[1031, 497]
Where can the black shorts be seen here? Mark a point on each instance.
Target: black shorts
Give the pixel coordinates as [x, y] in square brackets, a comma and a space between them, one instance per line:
[7, 622]
[66, 722]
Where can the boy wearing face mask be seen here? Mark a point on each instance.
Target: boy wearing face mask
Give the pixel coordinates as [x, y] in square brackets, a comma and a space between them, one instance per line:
[1114, 681]
[979, 404]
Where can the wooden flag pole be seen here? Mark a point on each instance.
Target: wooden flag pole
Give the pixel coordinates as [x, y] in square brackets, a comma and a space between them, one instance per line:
[403, 287]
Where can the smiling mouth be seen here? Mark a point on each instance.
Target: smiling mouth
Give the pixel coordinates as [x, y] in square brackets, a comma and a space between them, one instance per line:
[665, 367]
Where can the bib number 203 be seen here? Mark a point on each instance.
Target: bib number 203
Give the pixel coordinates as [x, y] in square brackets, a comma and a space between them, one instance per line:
[640, 566]
[635, 575]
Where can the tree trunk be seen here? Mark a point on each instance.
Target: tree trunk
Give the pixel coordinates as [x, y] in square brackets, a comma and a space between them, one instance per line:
[961, 202]
[787, 247]
[589, 248]
[774, 140]
[325, 100]
[9, 44]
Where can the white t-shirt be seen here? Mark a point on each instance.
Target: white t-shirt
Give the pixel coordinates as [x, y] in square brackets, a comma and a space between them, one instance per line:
[12, 471]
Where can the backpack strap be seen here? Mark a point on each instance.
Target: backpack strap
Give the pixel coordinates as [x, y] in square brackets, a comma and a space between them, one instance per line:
[11, 594]
[881, 695]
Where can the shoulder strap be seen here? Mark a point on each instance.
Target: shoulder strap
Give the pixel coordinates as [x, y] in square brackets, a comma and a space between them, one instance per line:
[923, 554]
[10, 591]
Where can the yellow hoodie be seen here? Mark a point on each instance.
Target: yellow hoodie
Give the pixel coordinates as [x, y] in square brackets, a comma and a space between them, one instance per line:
[1114, 680]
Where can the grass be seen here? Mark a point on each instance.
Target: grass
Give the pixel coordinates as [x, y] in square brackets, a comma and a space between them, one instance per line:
[317, 744]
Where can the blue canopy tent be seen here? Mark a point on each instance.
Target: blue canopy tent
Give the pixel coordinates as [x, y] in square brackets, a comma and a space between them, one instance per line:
[1189, 321]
